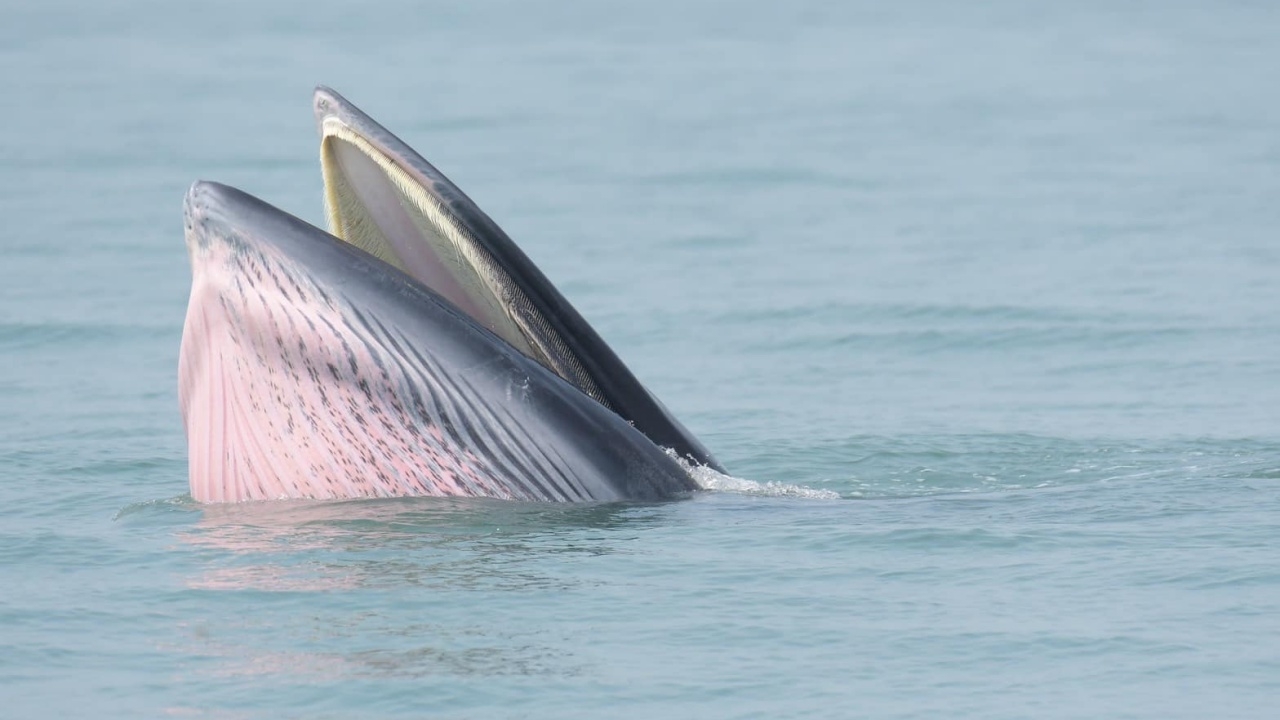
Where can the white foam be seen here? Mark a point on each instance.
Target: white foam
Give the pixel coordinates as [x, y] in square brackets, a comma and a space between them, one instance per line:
[709, 479]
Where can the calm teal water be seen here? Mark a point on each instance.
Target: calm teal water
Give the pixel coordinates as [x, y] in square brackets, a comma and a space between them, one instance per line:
[979, 304]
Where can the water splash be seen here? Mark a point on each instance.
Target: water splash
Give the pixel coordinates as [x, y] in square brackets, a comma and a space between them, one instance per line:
[709, 479]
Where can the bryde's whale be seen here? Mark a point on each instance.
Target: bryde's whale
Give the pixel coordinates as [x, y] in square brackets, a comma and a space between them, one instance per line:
[415, 351]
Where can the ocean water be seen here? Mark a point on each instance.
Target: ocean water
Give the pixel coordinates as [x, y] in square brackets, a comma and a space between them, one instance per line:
[976, 301]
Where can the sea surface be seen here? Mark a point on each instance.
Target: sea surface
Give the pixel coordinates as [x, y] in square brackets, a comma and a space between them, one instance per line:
[978, 303]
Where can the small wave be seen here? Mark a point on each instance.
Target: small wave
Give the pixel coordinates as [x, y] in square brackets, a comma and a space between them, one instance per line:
[180, 503]
[709, 479]
[26, 335]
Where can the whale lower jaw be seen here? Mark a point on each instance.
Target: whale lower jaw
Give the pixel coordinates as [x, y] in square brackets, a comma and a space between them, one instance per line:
[310, 369]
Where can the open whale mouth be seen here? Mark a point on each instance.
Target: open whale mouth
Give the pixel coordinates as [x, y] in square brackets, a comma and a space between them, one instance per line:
[383, 198]
[375, 204]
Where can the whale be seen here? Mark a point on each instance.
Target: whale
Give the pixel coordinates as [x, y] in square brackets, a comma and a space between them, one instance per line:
[412, 349]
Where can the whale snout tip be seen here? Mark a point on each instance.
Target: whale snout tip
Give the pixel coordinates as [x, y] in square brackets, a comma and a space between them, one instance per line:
[326, 102]
[204, 202]
[198, 197]
[195, 204]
